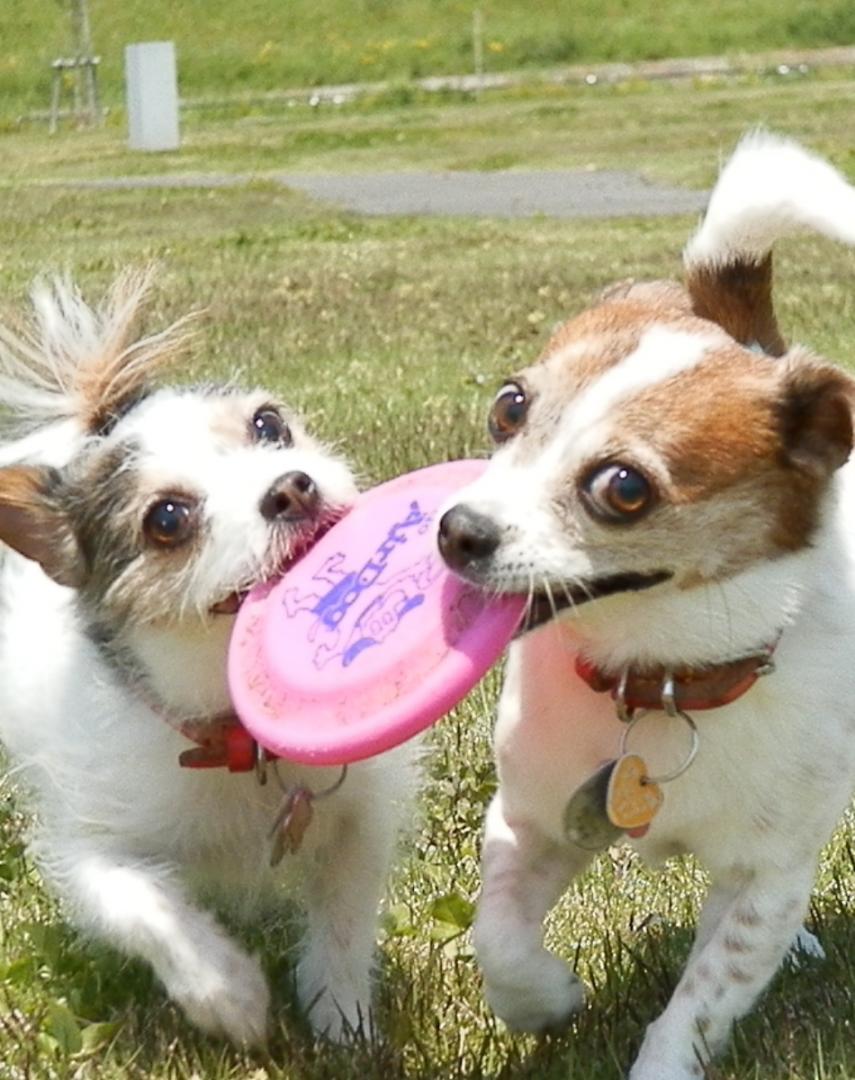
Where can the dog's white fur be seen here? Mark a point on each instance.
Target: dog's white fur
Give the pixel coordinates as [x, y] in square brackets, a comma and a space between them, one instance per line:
[775, 769]
[126, 837]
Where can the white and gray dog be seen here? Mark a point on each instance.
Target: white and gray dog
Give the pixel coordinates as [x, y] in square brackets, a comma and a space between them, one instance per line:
[134, 518]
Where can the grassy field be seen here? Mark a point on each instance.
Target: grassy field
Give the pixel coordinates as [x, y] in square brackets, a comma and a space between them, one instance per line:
[674, 134]
[391, 335]
[268, 45]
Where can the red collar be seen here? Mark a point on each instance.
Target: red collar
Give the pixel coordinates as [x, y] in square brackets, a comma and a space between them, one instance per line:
[688, 689]
[220, 741]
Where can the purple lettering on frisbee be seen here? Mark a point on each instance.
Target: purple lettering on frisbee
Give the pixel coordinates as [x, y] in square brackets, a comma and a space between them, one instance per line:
[369, 638]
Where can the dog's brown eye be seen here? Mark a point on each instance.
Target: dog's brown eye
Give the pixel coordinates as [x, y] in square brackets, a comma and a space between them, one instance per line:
[618, 493]
[268, 426]
[508, 413]
[169, 523]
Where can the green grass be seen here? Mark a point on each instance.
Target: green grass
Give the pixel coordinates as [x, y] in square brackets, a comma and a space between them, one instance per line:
[268, 44]
[391, 335]
[676, 135]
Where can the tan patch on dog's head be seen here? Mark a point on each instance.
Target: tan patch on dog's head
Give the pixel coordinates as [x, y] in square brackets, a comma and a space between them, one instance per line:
[663, 295]
[771, 434]
[110, 380]
[736, 449]
[33, 523]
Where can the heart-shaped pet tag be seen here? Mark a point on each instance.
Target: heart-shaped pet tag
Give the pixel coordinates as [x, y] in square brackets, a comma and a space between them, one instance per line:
[632, 801]
[586, 822]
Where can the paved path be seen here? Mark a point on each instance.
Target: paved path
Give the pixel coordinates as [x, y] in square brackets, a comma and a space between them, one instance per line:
[553, 193]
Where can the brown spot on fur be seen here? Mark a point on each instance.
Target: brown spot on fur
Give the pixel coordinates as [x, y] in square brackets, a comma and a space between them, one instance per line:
[763, 821]
[738, 975]
[33, 523]
[747, 917]
[737, 945]
[815, 416]
[585, 348]
[738, 297]
[112, 379]
[767, 435]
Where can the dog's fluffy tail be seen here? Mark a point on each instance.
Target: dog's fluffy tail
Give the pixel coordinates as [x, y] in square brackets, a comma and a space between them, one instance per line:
[770, 188]
[73, 362]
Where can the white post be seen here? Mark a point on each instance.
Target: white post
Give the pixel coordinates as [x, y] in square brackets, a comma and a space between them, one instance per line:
[151, 86]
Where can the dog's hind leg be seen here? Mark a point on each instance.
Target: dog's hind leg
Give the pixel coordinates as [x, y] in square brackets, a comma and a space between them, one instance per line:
[524, 874]
[743, 950]
[138, 908]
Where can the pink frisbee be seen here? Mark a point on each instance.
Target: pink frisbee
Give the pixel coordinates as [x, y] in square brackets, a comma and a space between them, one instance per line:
[368, 639]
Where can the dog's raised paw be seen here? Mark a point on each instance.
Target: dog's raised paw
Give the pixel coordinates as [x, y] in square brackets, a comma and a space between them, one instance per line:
[546, 1001]
[227, 995]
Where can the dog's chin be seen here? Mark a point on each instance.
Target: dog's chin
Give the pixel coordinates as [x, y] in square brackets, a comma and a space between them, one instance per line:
[231, 602]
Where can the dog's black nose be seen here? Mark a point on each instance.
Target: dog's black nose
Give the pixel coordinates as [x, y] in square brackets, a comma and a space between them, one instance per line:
[466, 537]
[293, 497]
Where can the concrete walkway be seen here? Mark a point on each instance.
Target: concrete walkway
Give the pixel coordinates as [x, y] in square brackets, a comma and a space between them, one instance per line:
[553, 193]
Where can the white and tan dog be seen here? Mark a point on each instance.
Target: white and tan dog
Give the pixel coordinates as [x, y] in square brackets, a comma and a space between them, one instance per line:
[671, 488]
[134, 518]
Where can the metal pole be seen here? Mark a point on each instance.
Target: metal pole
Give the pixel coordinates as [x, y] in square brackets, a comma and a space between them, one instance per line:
[85, 74]
[80, 29]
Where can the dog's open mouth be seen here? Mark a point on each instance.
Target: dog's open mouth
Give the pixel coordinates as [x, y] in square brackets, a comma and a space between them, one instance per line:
[230, 604]
[545, 605]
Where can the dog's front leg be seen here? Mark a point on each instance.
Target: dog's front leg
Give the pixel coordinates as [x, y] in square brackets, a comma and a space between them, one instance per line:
[747, 936]
[345, 873]
[804, 945]
[524, 873]
[138, 908]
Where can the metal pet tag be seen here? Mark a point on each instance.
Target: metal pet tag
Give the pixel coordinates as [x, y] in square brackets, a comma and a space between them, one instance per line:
[291, 823]
[632, 799]
[586, 822]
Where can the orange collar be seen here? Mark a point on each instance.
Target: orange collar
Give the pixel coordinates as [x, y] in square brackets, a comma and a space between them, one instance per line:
[684, 689]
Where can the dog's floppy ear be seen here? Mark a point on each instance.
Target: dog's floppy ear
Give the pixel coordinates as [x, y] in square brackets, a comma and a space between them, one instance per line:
[34, 524]
[815, 416]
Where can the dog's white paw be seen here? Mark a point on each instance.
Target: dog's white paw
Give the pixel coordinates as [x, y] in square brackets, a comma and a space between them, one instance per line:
[340, 1014]
[806, 946]
[663, 1070]
[544, 995]
[666, 1055]
[225, 993]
